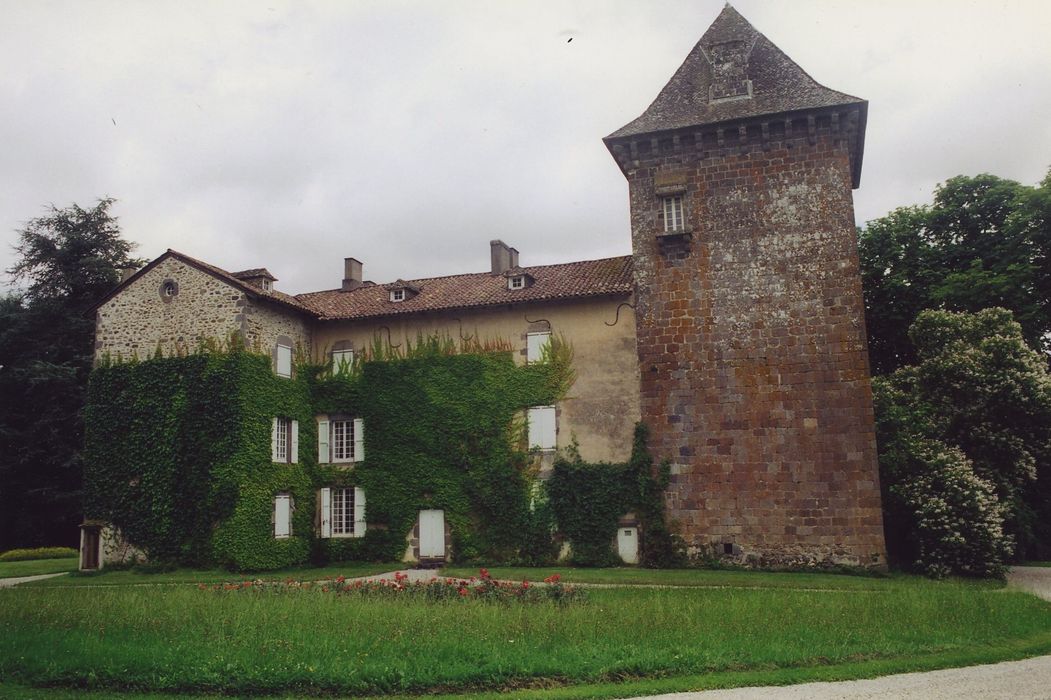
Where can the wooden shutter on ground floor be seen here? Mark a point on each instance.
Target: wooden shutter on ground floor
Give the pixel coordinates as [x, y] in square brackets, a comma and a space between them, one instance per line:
[326, 512]
[359, 512]
[282, 515]
[322, 442]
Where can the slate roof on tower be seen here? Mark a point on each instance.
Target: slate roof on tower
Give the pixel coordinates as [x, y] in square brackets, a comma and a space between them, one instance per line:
[733, 72]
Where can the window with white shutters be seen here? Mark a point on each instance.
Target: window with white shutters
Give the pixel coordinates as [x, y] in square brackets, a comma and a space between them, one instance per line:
[342, 512]
[279, 439]
[542, 428]
[342, 361]
[340, 440]
[284, 440]
[535, 344]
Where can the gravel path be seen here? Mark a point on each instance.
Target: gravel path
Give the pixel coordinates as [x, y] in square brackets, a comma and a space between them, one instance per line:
[1029, 679]
[1019, 680]
[9, 582]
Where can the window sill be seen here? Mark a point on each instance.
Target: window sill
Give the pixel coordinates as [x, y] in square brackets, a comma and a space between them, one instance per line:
[686, 232]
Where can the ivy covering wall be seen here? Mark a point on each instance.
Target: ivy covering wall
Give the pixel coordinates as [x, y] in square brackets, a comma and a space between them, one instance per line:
[178, 452]
[588, 499]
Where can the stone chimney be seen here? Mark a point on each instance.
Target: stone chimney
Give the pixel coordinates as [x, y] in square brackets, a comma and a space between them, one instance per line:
[503, 257]
[351, 274]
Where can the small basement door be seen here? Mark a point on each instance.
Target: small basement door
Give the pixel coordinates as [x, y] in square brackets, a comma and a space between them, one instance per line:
[628, 544]
[432, 534]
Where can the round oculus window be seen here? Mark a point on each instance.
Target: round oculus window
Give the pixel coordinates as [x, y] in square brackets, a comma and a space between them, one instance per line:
[169, 289]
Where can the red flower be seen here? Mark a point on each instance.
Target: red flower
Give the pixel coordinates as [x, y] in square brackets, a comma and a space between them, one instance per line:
[553, 578]
[484, 573]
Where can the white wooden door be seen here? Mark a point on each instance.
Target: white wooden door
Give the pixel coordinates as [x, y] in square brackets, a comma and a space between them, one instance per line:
[432, 534]
[628, 544]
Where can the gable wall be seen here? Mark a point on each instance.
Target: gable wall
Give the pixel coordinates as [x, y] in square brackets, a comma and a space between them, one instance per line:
[138, 319]
[603, 405]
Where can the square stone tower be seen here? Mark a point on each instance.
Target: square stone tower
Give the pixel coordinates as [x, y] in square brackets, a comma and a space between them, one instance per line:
[751, 337]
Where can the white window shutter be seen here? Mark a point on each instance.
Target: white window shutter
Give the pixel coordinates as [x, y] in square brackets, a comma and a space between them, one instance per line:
[550, 428]
[535, 343]
[282, 516]
[273, 441]
[533, 419]
[294, 454]
[542, 429]
[322, 442]
[326, 512]
[359, 512]
[359, 439]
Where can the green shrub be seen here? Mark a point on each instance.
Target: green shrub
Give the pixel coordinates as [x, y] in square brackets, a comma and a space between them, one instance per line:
[38, 553]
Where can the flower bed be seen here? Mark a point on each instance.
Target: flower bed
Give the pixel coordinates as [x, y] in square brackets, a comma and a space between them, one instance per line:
[482, 587]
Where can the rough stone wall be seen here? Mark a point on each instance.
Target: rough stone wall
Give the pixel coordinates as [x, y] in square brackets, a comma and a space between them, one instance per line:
[751, 342]
[265, 323]
[140, 318]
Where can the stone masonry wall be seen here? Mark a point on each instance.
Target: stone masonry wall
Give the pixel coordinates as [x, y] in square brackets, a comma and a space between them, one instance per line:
[265, 323]
[140, 318]
[752, 348]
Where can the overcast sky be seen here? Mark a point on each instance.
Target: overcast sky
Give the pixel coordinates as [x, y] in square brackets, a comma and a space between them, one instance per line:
[408, 134]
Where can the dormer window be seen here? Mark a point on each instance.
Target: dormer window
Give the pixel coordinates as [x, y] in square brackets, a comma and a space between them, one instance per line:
[673, 215]
[268, 286]
[402, 291]
[517, 278]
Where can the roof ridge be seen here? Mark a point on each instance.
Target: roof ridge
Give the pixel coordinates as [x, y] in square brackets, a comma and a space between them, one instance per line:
[467, 274]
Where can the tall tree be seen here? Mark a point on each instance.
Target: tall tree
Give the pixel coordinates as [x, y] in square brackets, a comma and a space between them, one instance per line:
[965, 444]
[67, 260]
[984, 242]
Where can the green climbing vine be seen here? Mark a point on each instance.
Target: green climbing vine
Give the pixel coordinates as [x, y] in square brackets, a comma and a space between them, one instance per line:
[587, 500]
[178, 451]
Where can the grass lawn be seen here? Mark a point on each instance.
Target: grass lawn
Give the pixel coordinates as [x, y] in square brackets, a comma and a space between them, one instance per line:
[181, 639]
[706, 578]
[133, 576]
[13, 569]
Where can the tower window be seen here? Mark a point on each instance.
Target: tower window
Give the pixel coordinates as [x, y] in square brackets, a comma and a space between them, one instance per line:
[673, 218]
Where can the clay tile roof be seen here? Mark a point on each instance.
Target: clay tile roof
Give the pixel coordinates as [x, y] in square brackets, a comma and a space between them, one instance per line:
[740, 53]
[254, 273]
[610, 276]
[275, 296]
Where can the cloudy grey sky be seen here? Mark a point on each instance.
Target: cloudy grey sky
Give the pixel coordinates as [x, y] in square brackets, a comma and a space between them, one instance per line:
[408, 134]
